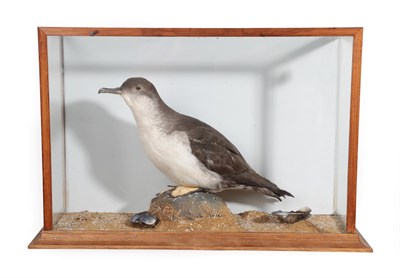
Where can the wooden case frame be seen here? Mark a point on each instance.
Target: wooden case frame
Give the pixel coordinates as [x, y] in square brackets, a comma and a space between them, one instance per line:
[349, 241]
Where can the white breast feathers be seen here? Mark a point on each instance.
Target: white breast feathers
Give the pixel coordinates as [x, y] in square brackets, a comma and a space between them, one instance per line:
[170, 153]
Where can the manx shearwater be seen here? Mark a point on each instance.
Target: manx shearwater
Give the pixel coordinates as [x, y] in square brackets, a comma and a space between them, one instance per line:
[187, 150]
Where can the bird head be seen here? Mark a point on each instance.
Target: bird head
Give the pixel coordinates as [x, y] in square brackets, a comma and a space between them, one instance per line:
[132, 88]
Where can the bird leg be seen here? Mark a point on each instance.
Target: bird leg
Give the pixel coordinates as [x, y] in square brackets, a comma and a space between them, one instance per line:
[181, 190]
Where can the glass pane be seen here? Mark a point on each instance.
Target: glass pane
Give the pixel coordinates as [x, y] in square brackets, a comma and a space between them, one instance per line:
[55, 57]
[282, 101]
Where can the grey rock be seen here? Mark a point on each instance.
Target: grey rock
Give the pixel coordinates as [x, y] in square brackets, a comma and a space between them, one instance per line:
[189, 207]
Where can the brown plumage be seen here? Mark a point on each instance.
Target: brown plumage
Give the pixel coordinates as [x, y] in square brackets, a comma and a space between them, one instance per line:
[219, 155]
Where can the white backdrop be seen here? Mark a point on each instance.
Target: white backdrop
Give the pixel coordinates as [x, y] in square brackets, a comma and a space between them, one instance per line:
[378, 202]
[276, 99]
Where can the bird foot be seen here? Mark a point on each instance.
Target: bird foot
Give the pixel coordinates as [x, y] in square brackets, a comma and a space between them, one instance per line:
[184, 190]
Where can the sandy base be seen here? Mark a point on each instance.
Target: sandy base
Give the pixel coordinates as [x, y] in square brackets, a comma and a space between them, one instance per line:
[251, 221]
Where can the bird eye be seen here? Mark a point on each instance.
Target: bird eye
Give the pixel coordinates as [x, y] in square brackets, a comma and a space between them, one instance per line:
[138, 88]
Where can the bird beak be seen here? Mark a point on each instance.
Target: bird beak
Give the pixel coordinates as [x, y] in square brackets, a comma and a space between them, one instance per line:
[116, 91]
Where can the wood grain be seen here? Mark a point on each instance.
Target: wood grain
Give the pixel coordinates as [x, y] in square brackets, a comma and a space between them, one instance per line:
[45, 121]
[353, 133]
[196, 240]
[195, 32]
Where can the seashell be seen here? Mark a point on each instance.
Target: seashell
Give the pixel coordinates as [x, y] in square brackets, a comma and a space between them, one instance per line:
[144, 219]
[293, 216]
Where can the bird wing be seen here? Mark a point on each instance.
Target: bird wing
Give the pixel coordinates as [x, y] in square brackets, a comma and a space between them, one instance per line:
[213, 149]
[219, 155]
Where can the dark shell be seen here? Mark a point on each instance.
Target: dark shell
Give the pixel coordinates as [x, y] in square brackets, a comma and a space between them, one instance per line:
[293, 216]
[144, 219]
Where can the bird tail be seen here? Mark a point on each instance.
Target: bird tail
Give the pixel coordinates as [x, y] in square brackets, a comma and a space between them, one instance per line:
[250, 180]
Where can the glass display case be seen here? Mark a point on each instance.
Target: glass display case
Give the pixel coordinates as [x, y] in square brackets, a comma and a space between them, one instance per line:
[288, 99]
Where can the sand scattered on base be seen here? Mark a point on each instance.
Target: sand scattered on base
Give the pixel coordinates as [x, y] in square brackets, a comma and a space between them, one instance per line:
[250, 221]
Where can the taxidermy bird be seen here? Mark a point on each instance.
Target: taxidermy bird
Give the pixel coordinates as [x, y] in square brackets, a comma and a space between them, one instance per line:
[191, 153]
